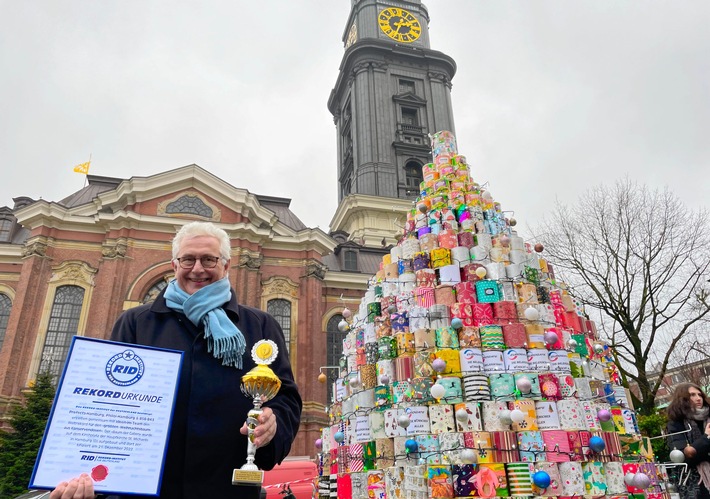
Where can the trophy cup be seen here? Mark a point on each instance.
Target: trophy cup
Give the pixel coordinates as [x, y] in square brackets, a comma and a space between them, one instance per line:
[261, 385]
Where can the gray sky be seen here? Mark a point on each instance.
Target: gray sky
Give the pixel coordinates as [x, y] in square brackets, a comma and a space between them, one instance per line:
[550, 97]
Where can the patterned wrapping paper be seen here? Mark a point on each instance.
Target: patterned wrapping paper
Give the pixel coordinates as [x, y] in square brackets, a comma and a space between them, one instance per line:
[453, 362]
[440, 257]
[468, 272]
[550, 386]
[474, 421]
[493, 362]
[422, 362]
[447, 337]
[491, 337]
[391, 270]
[355, 460]
[463, 311]
[584, 392]
[375, 483]
[556, 445]
[424, 295]
[377, 425]
[441, 418]
[471, 360]
[405, 344]
[614, 474]
[527, 293]
[534, 393]
[392, 428]
[567, 387]
[427, 242]
[439, 316]
[505, 310]
[594, 478]
[475, 388]
[463, 479]
[399, 322]
[418, 319]
[445, 294]
[451, 444]
[466, 239]
[465, 292]
[424, 338]
[410, 246]
[453, 393]
[482, 444]
[421, 388]
[487, 292]
[555, 487]
[425, 280]
[369, 453]
[447, 238]
[532, 446]
[528, 409]
[491, 412]
[439, 481]
[514, 335]
[618, 419]
[548, 417]
[571, 414]
[394, 482]
[505, 446]
[572, 478]
[612, 447]
[590, 416]
[482, 311]
[536, 335]
[519, 477]
[402, 392]
[515, 360]
[491, 480]
[415, 482]
[371, 352]
[502, 386]
[384, 453]
[344, 486]
[368, 376]
[469, 337]
[404, 368]
[428, 448]
[385, 368]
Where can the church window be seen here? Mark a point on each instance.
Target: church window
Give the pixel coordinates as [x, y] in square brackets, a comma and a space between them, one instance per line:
[63, 325]
[413, 175]
[409, 116]
[335, 348]
[281, 311]
[5, 306]
[190, 204]
[154, 291]
[350, 260]
[6, 230]
[406, 86]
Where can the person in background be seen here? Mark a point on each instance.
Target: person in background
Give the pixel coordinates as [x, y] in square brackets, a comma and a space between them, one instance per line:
[198, 313]
[689, 424]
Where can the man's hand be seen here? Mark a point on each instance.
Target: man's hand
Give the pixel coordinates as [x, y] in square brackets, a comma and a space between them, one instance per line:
[80, 487]
[265, 430]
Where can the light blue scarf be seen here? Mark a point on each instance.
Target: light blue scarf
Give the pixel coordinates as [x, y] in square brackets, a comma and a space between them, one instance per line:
[224, 340]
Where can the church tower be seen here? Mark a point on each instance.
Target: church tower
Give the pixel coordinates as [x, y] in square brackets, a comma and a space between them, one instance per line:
[392, 90]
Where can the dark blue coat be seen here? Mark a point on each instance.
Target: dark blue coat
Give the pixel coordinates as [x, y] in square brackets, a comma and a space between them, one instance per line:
[205, 444]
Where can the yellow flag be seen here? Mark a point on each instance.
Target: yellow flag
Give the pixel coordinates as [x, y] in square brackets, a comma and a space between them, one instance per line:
[83, 168]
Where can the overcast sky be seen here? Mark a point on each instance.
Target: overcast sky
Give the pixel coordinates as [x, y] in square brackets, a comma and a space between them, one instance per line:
[550, 97]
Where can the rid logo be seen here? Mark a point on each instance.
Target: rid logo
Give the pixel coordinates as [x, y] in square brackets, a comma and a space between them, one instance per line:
[125, 368]
[87, 458]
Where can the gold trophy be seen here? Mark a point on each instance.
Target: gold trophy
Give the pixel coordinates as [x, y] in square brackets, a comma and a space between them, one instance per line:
[261, 385]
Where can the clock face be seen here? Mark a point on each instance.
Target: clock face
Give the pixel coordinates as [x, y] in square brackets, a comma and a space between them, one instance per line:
[399, 24]
[352, 35]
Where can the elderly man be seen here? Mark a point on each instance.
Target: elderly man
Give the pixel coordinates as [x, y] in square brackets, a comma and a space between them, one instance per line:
[198, 314]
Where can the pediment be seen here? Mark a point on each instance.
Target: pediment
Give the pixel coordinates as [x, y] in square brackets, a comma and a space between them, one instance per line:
[409, 98]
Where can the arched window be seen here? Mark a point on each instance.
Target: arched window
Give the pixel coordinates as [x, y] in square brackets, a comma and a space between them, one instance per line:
[154, 291]
[63, 325]
[281, 311]
[413, 176]
[5, 306]
[335, 350]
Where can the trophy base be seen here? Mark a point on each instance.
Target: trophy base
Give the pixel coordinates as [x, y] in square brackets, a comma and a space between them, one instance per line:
[247, 477]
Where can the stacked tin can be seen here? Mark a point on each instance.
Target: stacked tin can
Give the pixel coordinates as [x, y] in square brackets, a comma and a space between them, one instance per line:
[468, 371]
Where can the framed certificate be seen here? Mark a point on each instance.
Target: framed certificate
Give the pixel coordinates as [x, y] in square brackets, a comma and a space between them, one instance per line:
[110, 418]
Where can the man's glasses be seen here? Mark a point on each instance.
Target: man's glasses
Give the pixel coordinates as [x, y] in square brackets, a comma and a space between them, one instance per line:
[207, 262]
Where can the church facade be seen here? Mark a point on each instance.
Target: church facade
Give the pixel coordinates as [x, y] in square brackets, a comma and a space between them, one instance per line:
[70, 267]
